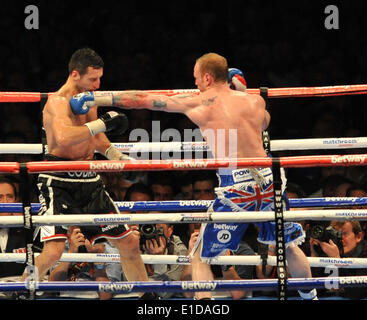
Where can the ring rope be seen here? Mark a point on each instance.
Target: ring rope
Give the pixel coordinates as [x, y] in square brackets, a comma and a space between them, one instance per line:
[201, 164]
[144, 165]
[349, 263]
[189, 286]
[275, 145]
[291, 92]
[187, 217]
[191, 205]
[195, 289]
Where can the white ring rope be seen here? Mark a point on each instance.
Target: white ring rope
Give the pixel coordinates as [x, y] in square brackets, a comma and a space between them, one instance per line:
[187, 217]
[275, 145]
[349, 263]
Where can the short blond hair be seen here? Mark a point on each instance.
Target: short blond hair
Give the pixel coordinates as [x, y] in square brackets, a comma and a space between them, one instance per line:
[214, 64]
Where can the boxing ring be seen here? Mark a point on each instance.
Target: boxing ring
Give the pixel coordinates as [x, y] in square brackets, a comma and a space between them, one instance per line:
[183, 209]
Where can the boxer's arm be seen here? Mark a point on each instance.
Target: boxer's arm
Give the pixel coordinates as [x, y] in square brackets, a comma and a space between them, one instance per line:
[101, 140]
[260, 107]
[103, 144]
[135, 100]
[59, 117]
[266, 120]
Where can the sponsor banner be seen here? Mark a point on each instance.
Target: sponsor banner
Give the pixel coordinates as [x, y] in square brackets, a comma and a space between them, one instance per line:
[115, 287]
[190, 164]
[194, 203]
[193, 285]
[340, 142]
[108, 165]
[199, 217]
[114, 219]
[358, 158]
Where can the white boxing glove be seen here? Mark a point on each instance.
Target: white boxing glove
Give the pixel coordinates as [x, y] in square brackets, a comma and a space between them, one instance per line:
[112, 153]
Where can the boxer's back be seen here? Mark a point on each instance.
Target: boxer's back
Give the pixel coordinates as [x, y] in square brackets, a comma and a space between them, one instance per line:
[234, 115]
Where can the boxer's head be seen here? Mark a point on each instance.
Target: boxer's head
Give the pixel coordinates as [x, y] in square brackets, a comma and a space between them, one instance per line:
[86, 69]
[210, 68]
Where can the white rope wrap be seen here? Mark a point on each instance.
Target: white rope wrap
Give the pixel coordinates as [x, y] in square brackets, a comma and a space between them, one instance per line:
[186, 217]
[275, 145]
[325, 262]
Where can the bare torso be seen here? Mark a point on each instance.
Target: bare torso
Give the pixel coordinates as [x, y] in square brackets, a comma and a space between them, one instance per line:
[237, 116]
[66, 135]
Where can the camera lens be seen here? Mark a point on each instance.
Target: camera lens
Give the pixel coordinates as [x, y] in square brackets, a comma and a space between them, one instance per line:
[147, 229]
[316, 232]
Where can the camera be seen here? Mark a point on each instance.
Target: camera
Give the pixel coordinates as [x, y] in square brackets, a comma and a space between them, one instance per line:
[149, 232]
[324, 233]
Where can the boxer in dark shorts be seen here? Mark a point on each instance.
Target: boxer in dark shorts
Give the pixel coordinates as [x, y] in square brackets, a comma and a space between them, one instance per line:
[77, 138]
[76, 193]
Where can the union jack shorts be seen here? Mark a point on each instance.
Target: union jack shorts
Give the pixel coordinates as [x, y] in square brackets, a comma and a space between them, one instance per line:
[244, 190]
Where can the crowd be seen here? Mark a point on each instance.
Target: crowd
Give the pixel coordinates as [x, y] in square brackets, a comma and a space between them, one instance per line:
[335, 240]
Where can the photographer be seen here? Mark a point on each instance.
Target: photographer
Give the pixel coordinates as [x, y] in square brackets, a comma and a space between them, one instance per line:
[347, 242]
[325, 239]
[160, 240]
[154, 239]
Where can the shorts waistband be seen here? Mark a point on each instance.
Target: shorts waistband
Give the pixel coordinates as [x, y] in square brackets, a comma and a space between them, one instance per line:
[51, 157]
[228, 177]
[71, 174]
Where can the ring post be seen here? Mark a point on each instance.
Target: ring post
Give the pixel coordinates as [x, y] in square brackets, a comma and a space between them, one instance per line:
[279, 233]
[31, 281]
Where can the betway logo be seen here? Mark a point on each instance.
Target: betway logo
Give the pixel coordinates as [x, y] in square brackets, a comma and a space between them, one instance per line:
[198, 285]
[125, 204]
[360, 158]
[353, 280]
[189, 164]
[115, 287]
[190, 203]
[224, 226]
[107, 166]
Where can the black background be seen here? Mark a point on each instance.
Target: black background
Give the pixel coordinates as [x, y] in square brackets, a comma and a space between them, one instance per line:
[153, 45]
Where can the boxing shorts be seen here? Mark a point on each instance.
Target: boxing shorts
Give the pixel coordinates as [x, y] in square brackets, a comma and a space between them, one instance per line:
[77, 193]
[244, 190]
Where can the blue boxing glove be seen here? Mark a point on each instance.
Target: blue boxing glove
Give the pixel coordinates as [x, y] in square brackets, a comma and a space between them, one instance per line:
[110, 121]
[236, 79]
[80, 103]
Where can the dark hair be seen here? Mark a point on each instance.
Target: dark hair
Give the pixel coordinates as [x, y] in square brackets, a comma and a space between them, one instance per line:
[138, 187]
[159, 178]
[331, 183]
[354, 187]
[205, 175]
[356, 226]
[295, 188]
[11, 183]
[84, 58]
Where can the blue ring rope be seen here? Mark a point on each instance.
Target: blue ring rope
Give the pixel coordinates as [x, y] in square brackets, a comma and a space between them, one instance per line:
[192, 205]
[186, 286]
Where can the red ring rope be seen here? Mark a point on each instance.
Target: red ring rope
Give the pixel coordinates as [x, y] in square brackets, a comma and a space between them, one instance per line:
[272, 92]
[9, 167]
[142, 165]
